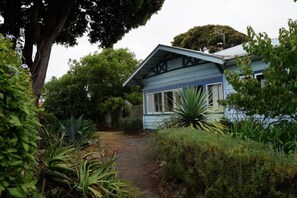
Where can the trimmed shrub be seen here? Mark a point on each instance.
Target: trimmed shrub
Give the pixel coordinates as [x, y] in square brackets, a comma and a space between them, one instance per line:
[18, 124]
[211, 165]
[131, 125]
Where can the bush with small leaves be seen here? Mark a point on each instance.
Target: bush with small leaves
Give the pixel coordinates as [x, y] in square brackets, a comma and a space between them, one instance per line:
[18, 124]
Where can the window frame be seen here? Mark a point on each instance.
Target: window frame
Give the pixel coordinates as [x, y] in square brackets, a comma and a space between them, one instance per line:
[150, 102]
[220, 91]
[262, 81]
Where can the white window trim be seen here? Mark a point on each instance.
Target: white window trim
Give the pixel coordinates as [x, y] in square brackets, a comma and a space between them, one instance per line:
[148, 107]
[259, 74]
[245, 77]
[174, 92]
[206, 89]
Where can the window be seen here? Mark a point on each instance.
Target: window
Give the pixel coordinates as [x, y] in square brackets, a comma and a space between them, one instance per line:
[150, 103]
[158, 102]
[199, 88]
[215, 93]
[168, 101]
[260, 78]
[161, 102]
[245, 77]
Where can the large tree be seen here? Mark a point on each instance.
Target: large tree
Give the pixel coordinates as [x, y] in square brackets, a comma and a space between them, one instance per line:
[209, 38]
[92, 86]
[44, 22]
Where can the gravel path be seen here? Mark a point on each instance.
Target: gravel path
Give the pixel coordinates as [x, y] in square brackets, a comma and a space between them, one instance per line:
[133, 164]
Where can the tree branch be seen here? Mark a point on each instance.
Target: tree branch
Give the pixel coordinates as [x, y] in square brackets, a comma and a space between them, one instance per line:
[35, 20]
[57, 19]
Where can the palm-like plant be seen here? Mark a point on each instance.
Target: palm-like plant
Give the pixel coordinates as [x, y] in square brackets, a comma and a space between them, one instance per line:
[192, 111]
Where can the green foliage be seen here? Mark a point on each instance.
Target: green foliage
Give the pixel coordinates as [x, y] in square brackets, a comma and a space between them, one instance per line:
[191, 111]
[99, 180]
[93, 86]
[66, 173]
[66, 96]
[281, 136]
[112, 104]
[18, 124]
[131, 125]
[209, 37]
[58, 163]
[65, 21]
[214, 166]
[135, 97]
[105, 22]
[71, 131]
[78, 130]
[278, 98]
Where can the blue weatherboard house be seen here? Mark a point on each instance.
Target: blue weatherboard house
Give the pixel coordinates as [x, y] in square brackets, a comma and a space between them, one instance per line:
[168, 69]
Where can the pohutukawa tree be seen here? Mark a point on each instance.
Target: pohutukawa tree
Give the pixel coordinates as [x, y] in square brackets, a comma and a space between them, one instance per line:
[45, 22]
[209, 38]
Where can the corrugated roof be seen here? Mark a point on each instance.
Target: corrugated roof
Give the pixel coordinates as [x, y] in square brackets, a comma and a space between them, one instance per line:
[238, 50]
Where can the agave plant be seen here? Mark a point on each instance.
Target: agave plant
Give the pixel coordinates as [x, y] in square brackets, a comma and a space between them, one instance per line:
[97, 179]
[78, 130]
[58, 164]
[192, 111]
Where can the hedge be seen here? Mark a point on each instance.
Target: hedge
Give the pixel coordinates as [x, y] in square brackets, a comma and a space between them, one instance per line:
[18, 124]
[131, 125]
[211, 165]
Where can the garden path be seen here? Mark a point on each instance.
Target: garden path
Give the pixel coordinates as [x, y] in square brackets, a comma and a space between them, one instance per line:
[133, 164]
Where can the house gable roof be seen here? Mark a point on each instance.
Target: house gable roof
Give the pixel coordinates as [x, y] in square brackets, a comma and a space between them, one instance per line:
[162, 52]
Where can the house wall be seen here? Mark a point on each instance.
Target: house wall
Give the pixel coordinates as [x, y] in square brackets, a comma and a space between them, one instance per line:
[190, 76]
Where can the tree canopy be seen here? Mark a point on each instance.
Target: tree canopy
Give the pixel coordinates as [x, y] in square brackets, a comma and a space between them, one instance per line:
[209, 38]
[278, 97]
[44, 22]
[93, 85]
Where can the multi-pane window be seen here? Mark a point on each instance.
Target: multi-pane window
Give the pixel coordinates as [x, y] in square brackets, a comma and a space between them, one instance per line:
[158, 102]
[215, 93]
[165, 102]
[161, 102]
[168, 101]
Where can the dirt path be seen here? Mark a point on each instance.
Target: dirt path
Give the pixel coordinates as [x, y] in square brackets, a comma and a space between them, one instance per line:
[133, 163]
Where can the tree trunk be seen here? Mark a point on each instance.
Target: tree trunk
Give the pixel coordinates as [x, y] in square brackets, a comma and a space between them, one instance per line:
[54, 23]
[40, 66]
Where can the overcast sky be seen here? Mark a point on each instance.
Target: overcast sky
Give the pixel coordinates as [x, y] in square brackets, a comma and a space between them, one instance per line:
[177, 16]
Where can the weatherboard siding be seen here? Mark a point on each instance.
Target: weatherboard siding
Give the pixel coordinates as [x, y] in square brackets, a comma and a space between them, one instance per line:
[178, 78]
[193, 75]
[153, 122]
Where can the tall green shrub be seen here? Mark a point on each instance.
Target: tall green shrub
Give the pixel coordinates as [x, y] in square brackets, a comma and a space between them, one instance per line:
[278, 97]
[18, 123]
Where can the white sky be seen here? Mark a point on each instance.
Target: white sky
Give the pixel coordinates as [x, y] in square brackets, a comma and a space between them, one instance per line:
[177, 16]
